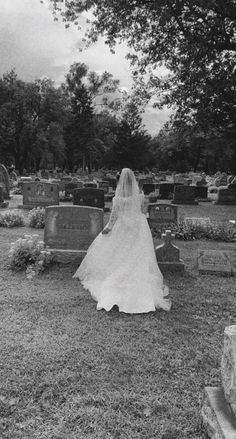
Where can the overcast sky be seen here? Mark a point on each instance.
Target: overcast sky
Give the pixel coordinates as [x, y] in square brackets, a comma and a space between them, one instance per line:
[37, 46]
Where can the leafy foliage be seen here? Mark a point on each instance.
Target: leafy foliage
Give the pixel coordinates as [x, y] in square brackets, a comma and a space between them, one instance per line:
[36, 218]
[28, 253]
[11, 218]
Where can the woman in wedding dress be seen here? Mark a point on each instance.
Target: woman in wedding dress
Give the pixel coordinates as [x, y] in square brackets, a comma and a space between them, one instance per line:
[120, 267]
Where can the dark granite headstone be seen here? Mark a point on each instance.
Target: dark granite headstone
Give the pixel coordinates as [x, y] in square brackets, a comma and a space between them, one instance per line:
[69, 189]
[184, 195]
[89, 197]
[40, 194]
[104, 185]
[167, 254]
[201, 192]
[162, 214]
[90, 184]
[112, 182]
[166, 190]
[69, 230]
[226, 196]
[148, 188]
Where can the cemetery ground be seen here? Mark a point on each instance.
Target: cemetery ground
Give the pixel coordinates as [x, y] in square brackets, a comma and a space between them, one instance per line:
[69, 371]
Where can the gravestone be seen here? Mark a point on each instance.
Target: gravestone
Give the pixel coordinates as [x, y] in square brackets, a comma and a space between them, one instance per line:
[89, 197]
[162, 214]
[63, 181]
[3, 203]
[226, 196]
[69, 189]
[184, 195]
[166, 191]
[214, 262]
[148, 188]
[90, 184]
[167, 254]
[104, 185]
[69, 230]
[205, 221]
[201, 192]
[5, 181]
[40, 194]
[213, 193]
[112, 182]
[219, 403]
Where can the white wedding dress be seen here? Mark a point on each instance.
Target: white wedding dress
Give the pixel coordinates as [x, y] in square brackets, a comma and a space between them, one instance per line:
[120, 267]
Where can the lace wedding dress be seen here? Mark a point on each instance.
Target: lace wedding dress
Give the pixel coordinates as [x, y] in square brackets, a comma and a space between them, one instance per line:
[120, 267]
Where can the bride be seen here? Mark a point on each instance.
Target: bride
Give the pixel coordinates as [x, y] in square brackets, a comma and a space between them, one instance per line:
[120, 267]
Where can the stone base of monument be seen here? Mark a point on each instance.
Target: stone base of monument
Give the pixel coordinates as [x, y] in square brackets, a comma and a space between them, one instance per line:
[67, 256]
[174, 267]
[217, 417]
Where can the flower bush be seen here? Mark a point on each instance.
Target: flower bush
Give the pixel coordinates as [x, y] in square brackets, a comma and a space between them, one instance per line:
[11, 218]
[28, 253]
[36, 218]
[189, 231]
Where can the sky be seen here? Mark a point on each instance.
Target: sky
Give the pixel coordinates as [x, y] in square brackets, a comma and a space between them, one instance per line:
[36, 46]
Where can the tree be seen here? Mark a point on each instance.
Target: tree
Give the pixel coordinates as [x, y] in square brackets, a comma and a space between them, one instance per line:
[88, 94]
[194, 39]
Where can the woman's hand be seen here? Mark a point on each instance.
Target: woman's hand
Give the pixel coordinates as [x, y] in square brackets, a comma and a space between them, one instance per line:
[106, 231]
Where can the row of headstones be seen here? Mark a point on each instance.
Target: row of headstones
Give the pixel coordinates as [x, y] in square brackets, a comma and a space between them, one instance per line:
[44, 194]
[73, 228]
[181, 194]
[219, 403]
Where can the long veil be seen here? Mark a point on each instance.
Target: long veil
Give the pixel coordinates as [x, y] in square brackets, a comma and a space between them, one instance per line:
[127, 185]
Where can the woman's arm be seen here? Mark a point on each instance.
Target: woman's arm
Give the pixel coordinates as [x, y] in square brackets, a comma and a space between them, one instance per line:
[112, 219]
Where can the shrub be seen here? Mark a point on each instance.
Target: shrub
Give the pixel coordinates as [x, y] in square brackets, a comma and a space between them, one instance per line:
[11, 218]
[36, 218]
[188, 231]
[28, 253]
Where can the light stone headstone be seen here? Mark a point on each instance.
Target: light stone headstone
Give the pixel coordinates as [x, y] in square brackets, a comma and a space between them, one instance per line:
[219, 403]
[161, 213]
[214, 262]
[69, 230]
[40, 194]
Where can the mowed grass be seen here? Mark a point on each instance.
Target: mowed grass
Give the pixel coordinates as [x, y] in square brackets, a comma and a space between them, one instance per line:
[70, 372]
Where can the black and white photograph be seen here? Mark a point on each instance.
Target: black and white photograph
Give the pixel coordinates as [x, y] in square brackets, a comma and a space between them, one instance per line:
[118, 219]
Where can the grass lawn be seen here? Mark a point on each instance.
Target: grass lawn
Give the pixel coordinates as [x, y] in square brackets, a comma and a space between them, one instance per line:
[71, 372]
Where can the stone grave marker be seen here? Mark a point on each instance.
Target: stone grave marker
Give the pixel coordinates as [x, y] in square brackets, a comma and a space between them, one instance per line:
[204, 221]
[167, 254]
[166, 190]
[2, 202]
[89, 197]
[104, 185]
[214, 262]
[5, 181]
[201, 192]
[162, 214]
[148, 188]
[112, 182]
[90, 184]
[226, 196]
[184, 195]
[69, 230]
[40, 194]
[63, 181]
[219, 403]
[69, 189]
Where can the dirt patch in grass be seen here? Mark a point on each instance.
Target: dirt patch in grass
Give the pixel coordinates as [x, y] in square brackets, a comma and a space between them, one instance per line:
[69, 371]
